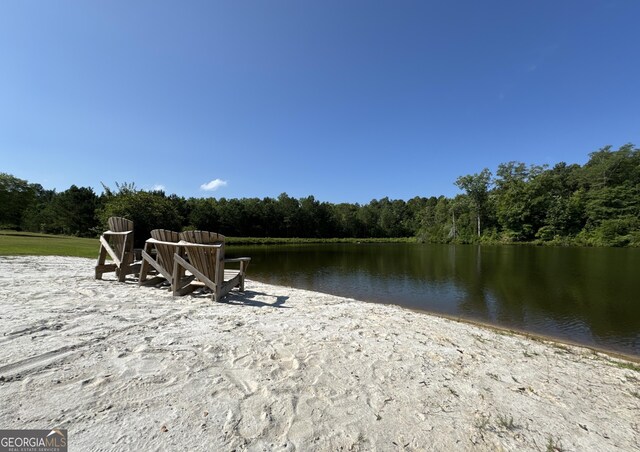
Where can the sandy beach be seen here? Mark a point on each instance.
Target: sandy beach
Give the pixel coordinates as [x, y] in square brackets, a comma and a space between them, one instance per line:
[124, 367]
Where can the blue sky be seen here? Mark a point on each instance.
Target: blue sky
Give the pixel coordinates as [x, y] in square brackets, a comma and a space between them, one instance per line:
[344, 100]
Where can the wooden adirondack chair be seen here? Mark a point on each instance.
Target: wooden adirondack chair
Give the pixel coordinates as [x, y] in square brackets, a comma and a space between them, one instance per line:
[117, 243]
[205, 251]
[166, 246]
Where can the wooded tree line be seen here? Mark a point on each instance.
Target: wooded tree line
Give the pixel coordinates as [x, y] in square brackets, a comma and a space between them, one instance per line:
[594, 204]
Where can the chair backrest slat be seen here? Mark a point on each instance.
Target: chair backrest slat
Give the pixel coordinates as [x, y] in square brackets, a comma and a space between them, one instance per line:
[119, 224]
[205, 259]
[202, 237]
[165, 252]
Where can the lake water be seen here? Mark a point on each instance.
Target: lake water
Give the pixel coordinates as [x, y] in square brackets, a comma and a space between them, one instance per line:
[585, 295]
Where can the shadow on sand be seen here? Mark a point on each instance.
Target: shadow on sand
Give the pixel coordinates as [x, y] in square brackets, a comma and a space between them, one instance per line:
[247, 298]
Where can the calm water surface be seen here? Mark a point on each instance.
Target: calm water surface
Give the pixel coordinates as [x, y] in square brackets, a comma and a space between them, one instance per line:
[586, 295]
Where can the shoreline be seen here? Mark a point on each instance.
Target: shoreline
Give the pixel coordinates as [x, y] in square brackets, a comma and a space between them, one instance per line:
[496, 328]
[535, 336]
[278, 368]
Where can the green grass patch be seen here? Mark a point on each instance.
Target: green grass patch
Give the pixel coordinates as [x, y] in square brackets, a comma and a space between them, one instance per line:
[14, 243]
[625, 365]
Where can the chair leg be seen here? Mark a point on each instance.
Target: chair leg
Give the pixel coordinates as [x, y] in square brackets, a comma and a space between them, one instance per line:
[144, 268]
[243, 269]
[122, 271]
[176, 283]
[101, 259]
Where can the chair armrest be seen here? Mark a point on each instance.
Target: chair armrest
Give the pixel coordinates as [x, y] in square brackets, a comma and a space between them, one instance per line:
[199, 245]
[117, 233]
[238, 259]
[160, 242]
[244, 264]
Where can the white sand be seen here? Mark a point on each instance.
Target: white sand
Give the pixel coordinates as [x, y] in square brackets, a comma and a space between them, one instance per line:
[129, 368]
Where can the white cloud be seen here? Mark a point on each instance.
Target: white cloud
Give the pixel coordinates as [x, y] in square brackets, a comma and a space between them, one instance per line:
[213, 185]
[158, 187]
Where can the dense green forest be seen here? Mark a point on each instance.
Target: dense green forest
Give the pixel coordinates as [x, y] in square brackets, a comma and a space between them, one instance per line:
[596, 204]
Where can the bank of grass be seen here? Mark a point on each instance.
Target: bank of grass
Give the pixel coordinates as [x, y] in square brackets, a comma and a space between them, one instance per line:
[14, 243]
[29, 243]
